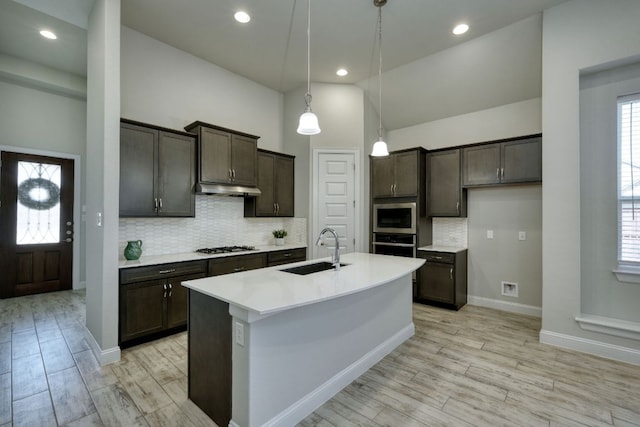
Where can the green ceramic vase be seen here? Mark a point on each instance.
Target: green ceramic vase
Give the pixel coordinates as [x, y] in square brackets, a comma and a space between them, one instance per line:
[133, 249]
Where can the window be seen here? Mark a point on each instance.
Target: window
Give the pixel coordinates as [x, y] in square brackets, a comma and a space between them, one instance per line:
[629, 180]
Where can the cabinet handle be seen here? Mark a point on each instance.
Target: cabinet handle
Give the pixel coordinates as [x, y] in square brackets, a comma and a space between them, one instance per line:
[501, 174]
[498, 174]
[277, 208]
[170, 289]
[233, 174]
[451, 273]
[170, 270]
[286, 255]
[229, 174]
[164, 294]
[458, 207]
[155, 204]
[160, 204]
[274, 209]
[235, 270]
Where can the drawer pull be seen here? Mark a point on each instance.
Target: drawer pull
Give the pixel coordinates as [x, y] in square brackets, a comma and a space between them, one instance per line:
[235, 270]
[286, 255]
[170, 270]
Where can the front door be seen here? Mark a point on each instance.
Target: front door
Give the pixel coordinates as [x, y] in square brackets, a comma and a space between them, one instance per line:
[36, 224]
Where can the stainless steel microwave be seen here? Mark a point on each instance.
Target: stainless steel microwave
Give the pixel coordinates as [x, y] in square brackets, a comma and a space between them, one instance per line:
[394, 218]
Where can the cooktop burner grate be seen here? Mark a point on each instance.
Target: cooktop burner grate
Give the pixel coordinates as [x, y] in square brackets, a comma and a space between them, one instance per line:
[225, 249]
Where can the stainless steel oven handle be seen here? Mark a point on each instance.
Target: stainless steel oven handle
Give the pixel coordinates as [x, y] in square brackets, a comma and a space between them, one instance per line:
[400, 245]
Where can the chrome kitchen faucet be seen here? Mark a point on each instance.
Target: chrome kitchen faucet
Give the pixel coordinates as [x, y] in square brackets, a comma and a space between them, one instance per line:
[336, 255]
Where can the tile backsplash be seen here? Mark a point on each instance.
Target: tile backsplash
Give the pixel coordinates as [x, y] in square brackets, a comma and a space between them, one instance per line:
[450, 232]
[219, 221]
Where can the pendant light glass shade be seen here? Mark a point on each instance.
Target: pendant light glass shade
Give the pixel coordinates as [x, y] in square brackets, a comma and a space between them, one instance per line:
[380, 149]
[308, 124]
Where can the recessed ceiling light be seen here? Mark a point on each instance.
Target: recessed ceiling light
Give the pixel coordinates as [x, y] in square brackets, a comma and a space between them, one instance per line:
[460, 29]
[242, 16]
[48, 34]
[342, 72]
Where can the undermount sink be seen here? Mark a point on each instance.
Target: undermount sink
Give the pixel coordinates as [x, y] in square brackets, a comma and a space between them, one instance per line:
[311, 268]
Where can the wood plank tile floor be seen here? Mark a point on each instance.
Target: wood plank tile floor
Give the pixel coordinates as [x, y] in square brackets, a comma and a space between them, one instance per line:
[475, 367]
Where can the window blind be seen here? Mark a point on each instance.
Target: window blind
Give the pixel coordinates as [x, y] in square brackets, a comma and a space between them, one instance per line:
[629, 179]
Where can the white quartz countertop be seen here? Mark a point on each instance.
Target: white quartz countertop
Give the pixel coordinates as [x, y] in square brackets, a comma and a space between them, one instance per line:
[269, 290]
[194, 256]
[442, 248]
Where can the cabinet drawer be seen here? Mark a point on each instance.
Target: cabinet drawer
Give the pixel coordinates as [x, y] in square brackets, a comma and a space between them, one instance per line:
[235, 264]
[138, 274]
[285, 257]
[442, 257]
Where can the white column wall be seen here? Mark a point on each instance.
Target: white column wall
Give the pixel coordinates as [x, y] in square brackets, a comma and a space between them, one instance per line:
[577, 35]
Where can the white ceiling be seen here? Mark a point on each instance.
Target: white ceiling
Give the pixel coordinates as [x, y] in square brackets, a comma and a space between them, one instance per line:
[497, 62]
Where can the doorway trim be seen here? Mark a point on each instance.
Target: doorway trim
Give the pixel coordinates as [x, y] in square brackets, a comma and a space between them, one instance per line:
[314, 229]
[77, 179]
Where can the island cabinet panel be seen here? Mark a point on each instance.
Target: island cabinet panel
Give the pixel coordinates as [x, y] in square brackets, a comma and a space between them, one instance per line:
[236, 264]
[157, 171]
[508, 162]
[225, 156]
[286, 256]
[276, 182]
[210, 368]
[153, 301]
[397, 175]
[446, 196]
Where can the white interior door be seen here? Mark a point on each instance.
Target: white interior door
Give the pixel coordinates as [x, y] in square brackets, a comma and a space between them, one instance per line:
[335, 201]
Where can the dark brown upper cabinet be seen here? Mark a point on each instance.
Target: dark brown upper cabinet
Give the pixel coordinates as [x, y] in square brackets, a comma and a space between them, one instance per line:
[157, 171]
[507, 162]
[225, 156]
[276, 182]
[396, 175]
[446, 196]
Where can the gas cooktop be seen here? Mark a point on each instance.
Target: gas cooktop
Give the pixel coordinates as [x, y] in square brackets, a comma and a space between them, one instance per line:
[225, 249]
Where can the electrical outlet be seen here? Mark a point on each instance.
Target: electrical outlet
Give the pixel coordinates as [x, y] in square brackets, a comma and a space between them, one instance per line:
[522, 235]
[509, 289]
[489, 234]
[239, 334]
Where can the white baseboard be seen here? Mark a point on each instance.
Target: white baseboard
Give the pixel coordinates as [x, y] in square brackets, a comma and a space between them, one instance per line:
[104, 357]
[81, 285]
[512, 307]
[312, 401]
[597, 348]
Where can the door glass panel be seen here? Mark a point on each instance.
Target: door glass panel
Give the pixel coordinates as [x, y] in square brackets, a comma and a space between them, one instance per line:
[38, 203]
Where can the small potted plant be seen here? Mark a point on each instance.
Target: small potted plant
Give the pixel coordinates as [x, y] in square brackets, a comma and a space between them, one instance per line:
[279, 235]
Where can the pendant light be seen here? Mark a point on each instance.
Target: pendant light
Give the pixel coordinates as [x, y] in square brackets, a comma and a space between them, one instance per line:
[308, 124]
[380, 147]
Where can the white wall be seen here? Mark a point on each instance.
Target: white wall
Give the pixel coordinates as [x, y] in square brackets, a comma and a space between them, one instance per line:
[601, 293]
[102, 186]
[506, 121]
[506, 211]
[165, 86]
[578, 35]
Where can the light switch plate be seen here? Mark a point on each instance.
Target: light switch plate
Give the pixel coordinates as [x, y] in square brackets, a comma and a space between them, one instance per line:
[522, 235]
[489, 234]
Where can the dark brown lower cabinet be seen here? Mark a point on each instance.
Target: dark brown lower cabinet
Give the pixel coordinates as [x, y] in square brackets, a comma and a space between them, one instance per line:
[153, 300]
[236, 264]
[442, 280]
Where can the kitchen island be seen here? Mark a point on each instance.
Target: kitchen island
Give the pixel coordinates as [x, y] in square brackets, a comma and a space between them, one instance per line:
[268, 347]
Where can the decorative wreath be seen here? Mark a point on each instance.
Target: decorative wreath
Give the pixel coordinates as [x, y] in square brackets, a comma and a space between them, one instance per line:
[24, 194]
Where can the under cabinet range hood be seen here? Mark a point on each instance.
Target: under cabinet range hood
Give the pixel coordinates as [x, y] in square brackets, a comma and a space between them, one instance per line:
[227, 190]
